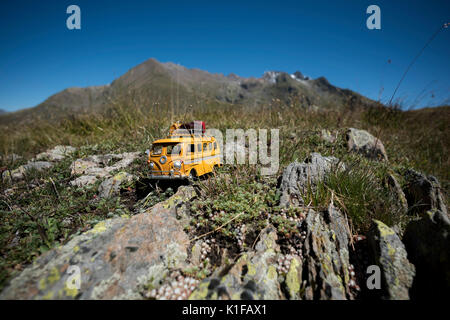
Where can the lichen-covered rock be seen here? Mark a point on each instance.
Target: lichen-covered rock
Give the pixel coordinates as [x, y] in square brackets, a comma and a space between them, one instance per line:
[252, 276]
[293, 281]
[298, 177]
[50, 156]
[363, 142]
[58, 153]
[326, 255]
[196, 253]
[390, 255]
[99, 166]
[111, 186]
[83, 181]
[114, 258]
[427, 242]
[19, 173]
[399, 194]
[423, 193]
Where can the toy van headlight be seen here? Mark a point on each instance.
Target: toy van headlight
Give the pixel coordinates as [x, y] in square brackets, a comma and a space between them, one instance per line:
[177, 164]
[151, 165]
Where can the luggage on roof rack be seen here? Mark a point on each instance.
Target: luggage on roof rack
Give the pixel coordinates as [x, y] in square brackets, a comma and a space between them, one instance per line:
[190, 128]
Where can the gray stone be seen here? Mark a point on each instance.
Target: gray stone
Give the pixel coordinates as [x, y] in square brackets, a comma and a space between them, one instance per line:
[326, 256]
[95, 167]
[10, 158]
[114, 258]
[110, 187]
[297, 178]
[252, 276]
[399, 194]
[83, 181]
[423, 193]
[363, 142]
[38, 165]
[58, 153]
[427, 242]
[390, 255]
[19, 173]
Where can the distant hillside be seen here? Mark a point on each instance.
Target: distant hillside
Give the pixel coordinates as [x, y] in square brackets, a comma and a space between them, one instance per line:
[2, 111]
[179, 87]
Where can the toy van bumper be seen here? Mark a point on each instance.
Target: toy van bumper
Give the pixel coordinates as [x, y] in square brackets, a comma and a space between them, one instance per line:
[168, 177]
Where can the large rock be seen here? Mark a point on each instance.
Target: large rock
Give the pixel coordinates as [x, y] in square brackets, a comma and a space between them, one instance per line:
[389, 253]
[423, 193]
[115, 258]
[363, 142]
[427, 242]
[297, 178]
[326, 256]
[252, 276]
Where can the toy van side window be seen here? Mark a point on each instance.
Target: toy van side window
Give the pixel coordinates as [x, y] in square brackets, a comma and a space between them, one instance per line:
[173, 149]
[191, 148]
[210, 146]
[207, 148]
[199, 148]
[215, 145]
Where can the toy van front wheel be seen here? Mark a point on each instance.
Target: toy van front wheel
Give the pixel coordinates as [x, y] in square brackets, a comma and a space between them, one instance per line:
[193, 175]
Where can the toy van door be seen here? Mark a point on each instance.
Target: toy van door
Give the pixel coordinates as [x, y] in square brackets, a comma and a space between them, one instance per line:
[189, 156]
[199, 157]
[207, 156]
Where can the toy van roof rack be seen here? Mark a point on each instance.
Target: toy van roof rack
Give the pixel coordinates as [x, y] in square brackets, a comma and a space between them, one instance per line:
[194, 128]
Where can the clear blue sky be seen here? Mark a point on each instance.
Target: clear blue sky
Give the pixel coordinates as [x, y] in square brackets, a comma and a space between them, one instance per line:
[39, 56]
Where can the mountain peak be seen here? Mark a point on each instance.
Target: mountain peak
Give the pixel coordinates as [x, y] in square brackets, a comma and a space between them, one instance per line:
[153, 80]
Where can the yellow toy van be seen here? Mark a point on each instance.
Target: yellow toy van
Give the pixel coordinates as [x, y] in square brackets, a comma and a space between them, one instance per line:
[186, 153]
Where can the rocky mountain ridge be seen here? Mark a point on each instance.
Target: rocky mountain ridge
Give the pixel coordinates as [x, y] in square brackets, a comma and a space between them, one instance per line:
[179, 87]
